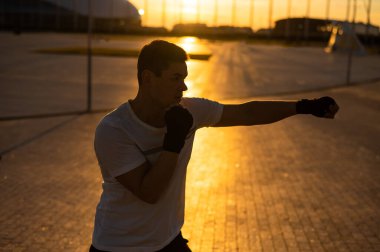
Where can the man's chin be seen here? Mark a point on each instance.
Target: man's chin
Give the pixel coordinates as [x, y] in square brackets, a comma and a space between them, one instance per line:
[179, 100]
[176, 102]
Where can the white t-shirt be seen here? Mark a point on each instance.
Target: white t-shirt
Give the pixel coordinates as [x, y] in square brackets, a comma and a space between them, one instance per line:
[124, 222]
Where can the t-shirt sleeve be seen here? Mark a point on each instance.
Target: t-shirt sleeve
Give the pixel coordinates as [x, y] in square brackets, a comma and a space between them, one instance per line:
[206, 113]
[116, 153]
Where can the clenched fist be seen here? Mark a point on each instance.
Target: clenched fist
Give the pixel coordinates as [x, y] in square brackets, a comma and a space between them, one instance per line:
[178, 123]
[325, 107]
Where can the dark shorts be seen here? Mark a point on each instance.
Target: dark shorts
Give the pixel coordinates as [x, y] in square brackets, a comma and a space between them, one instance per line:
[179, 244]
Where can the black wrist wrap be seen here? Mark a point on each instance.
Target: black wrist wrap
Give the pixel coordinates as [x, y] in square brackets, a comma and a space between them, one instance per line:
[304, 106]
[173, 143]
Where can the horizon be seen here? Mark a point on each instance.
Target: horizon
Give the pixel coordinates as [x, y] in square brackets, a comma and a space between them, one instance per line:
[152, 16]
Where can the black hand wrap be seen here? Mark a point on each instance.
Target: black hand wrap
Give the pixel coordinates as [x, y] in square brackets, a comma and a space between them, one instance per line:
[178, 123]
[317, 107]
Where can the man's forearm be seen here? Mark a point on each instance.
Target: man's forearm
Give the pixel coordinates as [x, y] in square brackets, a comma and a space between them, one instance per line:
[264, 112]
[157, 176]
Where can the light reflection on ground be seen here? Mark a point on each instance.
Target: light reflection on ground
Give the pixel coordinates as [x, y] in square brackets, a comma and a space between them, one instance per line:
[193, 45]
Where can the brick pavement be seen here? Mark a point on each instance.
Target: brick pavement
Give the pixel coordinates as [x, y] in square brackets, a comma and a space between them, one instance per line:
[303, 184]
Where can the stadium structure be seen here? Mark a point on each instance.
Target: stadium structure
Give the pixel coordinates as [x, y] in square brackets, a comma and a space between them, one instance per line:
[68, 15]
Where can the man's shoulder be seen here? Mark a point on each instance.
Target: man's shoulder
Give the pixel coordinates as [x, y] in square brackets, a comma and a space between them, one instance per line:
[198, 102]
[111, 121]
[115, 117]
[114, 125]
[193, 101]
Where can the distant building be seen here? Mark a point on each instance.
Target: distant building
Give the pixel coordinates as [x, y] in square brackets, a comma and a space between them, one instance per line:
[68, 15]
[191, 29]
[216, 31]
[315, 29]
[301, 28]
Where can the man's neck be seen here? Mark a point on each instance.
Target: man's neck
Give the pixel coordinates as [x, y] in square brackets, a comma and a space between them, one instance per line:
[147, 111]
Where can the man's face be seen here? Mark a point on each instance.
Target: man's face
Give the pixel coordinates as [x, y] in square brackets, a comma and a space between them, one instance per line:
[167, 89]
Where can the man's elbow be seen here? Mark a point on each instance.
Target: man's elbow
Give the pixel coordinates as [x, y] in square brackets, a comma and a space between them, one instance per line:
[150, 200]
[149, 197]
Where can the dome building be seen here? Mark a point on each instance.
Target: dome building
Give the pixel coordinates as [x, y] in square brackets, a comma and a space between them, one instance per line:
[68, 15]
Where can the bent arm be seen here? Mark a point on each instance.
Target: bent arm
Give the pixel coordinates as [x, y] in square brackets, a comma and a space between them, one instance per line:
[256, 113]
[147, 181]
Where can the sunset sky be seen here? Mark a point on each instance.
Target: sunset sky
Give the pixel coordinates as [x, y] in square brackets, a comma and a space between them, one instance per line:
[338, 10]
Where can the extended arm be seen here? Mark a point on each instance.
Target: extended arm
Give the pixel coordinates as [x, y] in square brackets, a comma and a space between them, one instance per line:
[265, 112]
[256, 113]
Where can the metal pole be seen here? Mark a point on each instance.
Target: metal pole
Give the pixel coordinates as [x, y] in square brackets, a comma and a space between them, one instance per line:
[180, 11]
[327, 16]
[146, 12]
[215, 12]
[251, 21]
[89, 58]
[348, 10]
[327, 9]
[287, 29]
[57, 16]
[40, 16]
[198, 12]
[233, 18]
[270, 16]
[306, 28]
[368, 20]
[163, 12]
[75, 16]
[349, 61]
[111, 23]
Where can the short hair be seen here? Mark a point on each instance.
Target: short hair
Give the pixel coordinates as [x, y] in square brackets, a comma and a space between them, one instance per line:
[157, 56]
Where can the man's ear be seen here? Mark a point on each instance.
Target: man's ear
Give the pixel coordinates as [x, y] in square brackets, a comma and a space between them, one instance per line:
[146, 76]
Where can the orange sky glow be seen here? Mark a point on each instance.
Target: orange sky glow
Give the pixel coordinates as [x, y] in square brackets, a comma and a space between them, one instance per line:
[189, 14]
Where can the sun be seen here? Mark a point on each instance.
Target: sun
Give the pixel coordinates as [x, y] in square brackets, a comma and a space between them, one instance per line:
[189, 6]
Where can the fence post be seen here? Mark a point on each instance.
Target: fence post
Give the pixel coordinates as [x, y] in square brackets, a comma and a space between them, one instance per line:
[349, 61]
[89, 58]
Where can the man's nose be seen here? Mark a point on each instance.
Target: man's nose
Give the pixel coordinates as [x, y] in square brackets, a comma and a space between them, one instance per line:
[184, 87]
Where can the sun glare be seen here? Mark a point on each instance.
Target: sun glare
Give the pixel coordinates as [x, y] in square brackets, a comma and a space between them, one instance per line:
[191, 90]
[190, 7]
[188, 43]
[141, 12]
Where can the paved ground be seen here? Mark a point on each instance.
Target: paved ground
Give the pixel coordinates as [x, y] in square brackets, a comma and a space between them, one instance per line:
[303, 184]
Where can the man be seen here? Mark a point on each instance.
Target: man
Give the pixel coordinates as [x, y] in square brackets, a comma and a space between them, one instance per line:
[143, 148]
